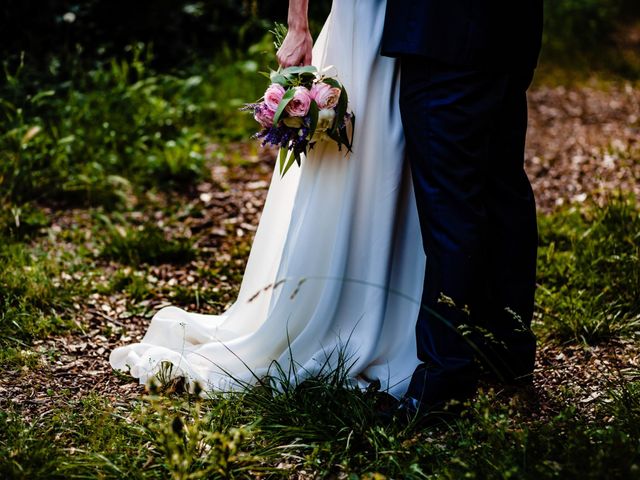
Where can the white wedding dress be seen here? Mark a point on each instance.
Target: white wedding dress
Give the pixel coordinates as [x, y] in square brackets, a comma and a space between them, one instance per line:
[337, 257]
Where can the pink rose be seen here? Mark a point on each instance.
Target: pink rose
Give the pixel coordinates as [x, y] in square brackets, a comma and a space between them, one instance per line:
[273, 96]
[300, 103]
[325, 95]
[264, 115]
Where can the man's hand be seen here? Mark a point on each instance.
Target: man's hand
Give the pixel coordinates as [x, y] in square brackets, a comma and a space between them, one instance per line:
[296, 48]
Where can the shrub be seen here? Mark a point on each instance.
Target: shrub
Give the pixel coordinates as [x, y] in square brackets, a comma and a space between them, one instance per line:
[578, 25]
[119, 128]
[87, 138]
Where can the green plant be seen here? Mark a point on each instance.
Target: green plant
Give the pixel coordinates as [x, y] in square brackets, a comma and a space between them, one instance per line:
[111, 132]
[134, 283]
[589, 272]
[579, 25]
[622, 403]
[192, 450]
[86, 138]
[18, 222]
[145, 243]
[87, 438]
[33, 293]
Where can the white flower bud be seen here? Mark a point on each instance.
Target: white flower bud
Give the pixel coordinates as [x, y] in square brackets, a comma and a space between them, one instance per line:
[326, 118]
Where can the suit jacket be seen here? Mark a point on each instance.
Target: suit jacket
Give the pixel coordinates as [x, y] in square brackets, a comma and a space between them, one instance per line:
[501, 34]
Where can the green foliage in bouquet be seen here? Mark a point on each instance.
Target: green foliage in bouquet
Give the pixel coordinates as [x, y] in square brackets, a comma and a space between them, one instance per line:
[301, 108]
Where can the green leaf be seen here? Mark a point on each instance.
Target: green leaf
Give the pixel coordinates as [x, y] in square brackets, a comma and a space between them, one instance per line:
[334, 136]
[294, 157]
[299, 70]
[333, 82]
[280, 79]
[341, 109]
[313, 113]
[42, 94]
[287, 97]
[344, 138]
[279, 32]
[282, 158]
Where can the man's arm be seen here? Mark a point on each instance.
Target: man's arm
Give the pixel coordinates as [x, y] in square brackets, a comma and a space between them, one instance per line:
[296, 48]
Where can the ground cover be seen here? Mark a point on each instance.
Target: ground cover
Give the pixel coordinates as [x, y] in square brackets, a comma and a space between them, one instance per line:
[83, 269]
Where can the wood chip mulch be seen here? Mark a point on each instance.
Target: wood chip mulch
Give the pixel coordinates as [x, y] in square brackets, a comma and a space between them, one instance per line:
[583, 143]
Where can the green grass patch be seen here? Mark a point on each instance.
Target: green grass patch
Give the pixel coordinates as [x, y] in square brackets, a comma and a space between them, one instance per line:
[83, 439]
[146, 243]
[589, 273]
[34, 294]
[133, 282]
[324, 428]
[19, 222]
[585, 37]
[329, 429]
[86, 139]
[14, 358]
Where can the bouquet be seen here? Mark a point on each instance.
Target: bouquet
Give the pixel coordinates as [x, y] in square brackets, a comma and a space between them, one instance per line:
[300, 108]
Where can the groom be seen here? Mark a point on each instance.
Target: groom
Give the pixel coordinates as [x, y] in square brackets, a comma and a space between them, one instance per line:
[465, 69]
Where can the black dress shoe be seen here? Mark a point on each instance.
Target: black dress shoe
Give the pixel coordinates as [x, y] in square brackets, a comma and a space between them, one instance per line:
[385, 407]
[412, 413]
[410, 406]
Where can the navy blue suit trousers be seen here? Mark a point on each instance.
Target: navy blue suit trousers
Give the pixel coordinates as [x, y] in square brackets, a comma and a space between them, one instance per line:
[465, 129]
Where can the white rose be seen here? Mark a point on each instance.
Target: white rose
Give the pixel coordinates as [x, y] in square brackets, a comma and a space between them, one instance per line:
[326, 118]
[293, 122]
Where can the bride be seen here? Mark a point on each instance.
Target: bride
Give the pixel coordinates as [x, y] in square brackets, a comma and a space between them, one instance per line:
[337, 264]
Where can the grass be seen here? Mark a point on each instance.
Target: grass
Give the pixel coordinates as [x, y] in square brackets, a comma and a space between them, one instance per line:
[324, 428]
[110, 139]
[131, 282]
[589, 273]
[88, 438]
[33, 296]
[588, 294]
[81, 163]
[146, 243]
[21, 222]
[583, 39]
